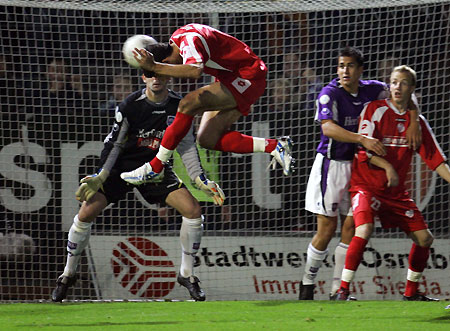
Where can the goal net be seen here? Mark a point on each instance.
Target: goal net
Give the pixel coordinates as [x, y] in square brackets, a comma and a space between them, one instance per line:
[61, 76]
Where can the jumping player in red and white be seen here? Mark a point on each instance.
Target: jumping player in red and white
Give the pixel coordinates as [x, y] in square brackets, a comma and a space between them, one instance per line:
[240, 79]
[378, 183]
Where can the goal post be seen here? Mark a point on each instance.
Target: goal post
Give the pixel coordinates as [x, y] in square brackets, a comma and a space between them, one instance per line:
[61, 76]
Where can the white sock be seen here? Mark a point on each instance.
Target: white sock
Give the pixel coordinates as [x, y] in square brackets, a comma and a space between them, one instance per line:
[313, 263]
[348, 275]
[78, 239]
[71, 265]
[339, 262]
[259, 145]
[190, 237]
[413, 276]
[164, 154]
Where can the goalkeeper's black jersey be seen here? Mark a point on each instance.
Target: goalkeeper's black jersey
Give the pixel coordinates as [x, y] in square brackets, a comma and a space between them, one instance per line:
[147, 124]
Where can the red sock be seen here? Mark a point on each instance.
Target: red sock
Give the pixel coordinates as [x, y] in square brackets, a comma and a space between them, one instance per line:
[411, 288]
[353, 257]
[235, 142]
[270, 145]
[418, 257]
[172, 137]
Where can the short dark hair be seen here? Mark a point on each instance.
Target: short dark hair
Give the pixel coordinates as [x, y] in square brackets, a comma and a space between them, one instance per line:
[353, 52]
[160, 51]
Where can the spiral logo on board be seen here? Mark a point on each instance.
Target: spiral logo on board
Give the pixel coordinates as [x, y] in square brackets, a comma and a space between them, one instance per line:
[143, 268]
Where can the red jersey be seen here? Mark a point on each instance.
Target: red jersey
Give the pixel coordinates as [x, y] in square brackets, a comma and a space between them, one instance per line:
[220, 53]
[380, 119]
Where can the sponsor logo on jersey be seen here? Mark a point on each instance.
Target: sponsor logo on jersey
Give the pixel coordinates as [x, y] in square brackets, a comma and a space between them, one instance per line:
[152, 143]
[350, 121]
[157, 112]
[395, 141]
[152, 133]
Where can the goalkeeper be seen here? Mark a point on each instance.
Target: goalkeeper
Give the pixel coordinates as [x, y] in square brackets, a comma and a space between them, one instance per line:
[140, 122]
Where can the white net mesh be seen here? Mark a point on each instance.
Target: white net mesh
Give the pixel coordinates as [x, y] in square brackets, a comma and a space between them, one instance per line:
[62, 74]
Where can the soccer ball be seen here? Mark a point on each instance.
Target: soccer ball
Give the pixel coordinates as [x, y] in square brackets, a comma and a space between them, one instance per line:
[137, 41]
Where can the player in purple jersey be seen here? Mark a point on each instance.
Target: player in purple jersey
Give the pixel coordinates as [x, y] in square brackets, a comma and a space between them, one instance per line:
[338, 107]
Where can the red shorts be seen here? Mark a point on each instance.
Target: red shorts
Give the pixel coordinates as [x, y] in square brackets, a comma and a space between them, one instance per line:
[246, 92]
[393, 213]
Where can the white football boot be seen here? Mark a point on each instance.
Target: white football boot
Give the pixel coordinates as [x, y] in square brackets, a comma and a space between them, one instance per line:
[143, 174]
[282, 155]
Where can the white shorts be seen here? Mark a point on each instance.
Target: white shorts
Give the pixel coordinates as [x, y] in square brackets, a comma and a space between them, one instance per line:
[327, 191]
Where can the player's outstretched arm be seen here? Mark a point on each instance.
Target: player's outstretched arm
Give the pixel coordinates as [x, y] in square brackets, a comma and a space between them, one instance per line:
[147, 62]
[391, 174]
[191, 160]
[444, 171]
[337, 132]
[92, 183]
[211, 188]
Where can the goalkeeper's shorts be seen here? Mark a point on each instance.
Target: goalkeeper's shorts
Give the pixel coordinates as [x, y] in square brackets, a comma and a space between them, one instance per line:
[115, 188]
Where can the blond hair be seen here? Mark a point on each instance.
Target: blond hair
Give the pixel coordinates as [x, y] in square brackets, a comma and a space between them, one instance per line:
[409, 70]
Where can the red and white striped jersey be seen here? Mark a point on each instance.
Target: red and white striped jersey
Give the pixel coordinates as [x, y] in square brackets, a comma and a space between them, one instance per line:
[219, 52]
[380, 119]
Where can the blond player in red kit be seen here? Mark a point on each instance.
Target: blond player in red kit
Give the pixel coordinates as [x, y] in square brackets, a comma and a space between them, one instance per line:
[377, 184]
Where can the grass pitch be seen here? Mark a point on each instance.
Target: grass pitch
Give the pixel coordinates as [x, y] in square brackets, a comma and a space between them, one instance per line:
[227, 315]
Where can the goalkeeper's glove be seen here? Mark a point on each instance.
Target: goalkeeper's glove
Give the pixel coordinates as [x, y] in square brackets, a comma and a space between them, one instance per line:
[211, 188]
[90, 185]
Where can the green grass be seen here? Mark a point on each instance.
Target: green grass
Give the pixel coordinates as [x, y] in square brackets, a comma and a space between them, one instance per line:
[227, 315]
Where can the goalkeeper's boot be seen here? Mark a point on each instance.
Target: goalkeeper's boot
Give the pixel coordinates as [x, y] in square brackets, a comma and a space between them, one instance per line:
[143, 174]
[192, 285]
[343, 295]
[419, 297]
[282, 155]
[306, 292]
[62, 285]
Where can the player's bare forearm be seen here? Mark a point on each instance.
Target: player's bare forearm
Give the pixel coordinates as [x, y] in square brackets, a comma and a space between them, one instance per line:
[444, 171]
[391, 174]
[336, 132]
[194, 71]
[414, 132]
[147, 62]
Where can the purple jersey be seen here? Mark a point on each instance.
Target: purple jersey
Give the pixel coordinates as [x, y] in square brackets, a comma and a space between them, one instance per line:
[335, 103]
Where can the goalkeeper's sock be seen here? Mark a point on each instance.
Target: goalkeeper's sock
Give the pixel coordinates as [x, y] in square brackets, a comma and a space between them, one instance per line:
[236, 142]
[313, 263]
[78, 239]
[190, 237]
[418, 257]
[339, 262]
[172, 137]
